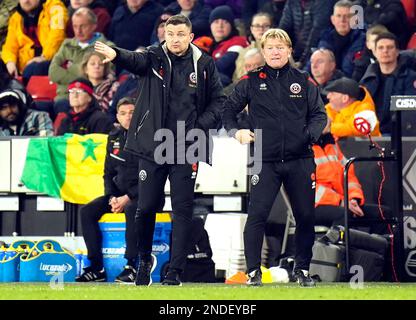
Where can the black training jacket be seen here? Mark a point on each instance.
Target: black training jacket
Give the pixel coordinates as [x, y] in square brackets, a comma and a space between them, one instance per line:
[153, 66]
[285, 105]
[121, 169]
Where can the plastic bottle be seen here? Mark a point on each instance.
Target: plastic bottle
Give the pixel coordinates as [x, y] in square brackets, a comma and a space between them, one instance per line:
[78, 260]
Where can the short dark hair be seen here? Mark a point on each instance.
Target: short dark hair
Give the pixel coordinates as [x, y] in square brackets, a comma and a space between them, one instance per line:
[389, 36]
[125, 100]
[179, 19]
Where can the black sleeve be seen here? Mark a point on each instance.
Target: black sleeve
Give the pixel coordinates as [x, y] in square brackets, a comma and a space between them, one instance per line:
[102, 124]
[235, 103]
[132, 61]
[286, 21]
[317, 118]
[210, 118]
[109, 172]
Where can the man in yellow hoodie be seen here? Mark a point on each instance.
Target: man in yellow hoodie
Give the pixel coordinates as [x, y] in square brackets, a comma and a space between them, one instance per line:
[35, 33]
[346, 100]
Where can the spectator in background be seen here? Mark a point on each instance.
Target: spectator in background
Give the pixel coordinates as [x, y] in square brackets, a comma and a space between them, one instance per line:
[98, 7]
[7, 7]
[225, 43]
[253, 59]
[65, 66]
[158, 35]
[249, 9]
[324, 69]
[35, 32]
[304, 20]
[101, 77]
[260, 23]
[390, 75]
[132, 23]
[17, 119]
[389, 13]
[196, 11]
[275, 9]
[85, 115]
[347, 99]
[120, 195]
[366, 58]
[7, 81]
[346, 43]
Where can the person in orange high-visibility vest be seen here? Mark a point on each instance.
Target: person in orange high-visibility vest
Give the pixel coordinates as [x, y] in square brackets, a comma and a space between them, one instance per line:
[329, 195]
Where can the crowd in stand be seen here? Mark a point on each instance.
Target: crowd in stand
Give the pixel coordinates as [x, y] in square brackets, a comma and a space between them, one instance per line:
[370, 42]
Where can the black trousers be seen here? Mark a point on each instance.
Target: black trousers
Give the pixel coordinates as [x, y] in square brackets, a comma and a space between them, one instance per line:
[334, 215]
[296, 176]
[91, 213]
[152, 180]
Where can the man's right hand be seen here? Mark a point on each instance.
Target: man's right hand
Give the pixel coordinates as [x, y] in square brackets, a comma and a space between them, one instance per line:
[244, 136]
[108, 52]
[12, 69]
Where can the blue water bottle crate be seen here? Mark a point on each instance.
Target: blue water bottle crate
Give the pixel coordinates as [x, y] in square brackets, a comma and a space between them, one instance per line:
[10, 259]
[47, 259]
[113, 229]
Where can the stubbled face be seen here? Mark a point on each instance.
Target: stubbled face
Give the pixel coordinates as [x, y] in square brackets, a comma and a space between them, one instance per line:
[178, 38]
[259, 26]
[386, 51]
[9, 112]
[94, 68]
[29, 5]
[276, 53]
[124, 115]
[220, 29]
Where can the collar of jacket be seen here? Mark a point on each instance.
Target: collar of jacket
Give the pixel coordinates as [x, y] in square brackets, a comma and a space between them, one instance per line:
[276, 73]
[196, 54]
[401, 70]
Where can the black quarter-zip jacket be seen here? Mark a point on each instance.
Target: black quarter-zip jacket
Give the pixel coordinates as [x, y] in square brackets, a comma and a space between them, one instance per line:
[154, 68]
[285, 105]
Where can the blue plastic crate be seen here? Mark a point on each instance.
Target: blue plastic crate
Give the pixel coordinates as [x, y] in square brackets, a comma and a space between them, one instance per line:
[114, 245]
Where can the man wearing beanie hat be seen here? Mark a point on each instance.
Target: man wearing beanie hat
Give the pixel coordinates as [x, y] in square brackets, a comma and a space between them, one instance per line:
[85, 115]
[225, 44]
[180, 92]
[16, 119]
[346, 99]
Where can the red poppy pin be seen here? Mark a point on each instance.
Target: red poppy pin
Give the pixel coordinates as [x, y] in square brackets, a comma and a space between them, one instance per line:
[262, 75]
[313, 177]
[194, 167]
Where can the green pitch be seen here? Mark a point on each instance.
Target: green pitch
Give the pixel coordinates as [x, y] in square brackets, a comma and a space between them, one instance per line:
[107, 291]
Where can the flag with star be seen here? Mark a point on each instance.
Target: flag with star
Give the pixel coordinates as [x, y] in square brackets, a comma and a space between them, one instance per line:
[69, 167]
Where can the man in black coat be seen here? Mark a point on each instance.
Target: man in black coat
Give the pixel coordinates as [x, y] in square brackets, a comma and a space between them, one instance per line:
[180, 96]
[287, 116]
[120, 195]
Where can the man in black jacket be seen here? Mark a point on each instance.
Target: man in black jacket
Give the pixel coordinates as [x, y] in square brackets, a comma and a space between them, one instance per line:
[180, 95]
[287, 115]
[120, 184]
